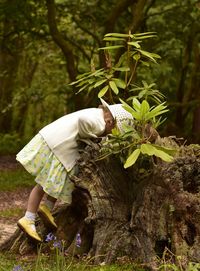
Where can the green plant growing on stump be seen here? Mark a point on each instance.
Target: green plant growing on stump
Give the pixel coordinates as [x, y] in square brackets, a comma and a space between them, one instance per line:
[117, 75]
[115, 83]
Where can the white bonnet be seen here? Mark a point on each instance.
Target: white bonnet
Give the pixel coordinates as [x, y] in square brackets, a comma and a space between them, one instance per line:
[119, 113]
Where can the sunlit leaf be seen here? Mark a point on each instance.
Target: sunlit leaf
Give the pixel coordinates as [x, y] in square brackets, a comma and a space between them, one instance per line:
[103, 91]
[122, 69]
[115, 131]
[134, 43]
[114, 87]
[120, 83]
[158, 110]
[150, 150]
[144, 34]
[100, 82]
[149, 55]
[136, 104]
[163, 155]
[168, 150]
[147, 149]
[113, 39]
[144, 107]
[132, 158]
[111, 47]
[117, 35]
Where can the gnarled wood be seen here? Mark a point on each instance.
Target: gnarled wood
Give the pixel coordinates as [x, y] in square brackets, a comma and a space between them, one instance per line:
[135, 212]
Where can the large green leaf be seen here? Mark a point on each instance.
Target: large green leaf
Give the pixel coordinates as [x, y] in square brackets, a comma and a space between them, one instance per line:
[147, 149]
[103, 91]
[114, 39]
[156, 111]
[111, 47]
[127, 107]
[144, 34]
[122, 69]
[163, 155]
[149, 55]
[114, 87]
[144, 108]
[150, 150]
[136, 104]
[168, 150]
[100, 82]
[120, 83]
[117, 35]
[132, 158]
[134, 43]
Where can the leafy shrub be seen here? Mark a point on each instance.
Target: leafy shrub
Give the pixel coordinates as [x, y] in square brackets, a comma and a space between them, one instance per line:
[10, 143]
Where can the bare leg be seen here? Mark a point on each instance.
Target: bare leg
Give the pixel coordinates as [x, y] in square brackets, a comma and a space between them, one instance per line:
[35, 198]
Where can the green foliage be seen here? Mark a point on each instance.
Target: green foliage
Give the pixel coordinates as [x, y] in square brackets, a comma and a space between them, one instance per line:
[146, 92]
[115, 76]
[10, 143]
[104, 80]
[25, 33]
[143, 113]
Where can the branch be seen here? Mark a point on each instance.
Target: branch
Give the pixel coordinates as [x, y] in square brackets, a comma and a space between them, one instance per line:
[120, 7]
[59, 40]
[138, 15]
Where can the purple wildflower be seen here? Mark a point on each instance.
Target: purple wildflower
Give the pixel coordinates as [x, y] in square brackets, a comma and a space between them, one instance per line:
[78, 240]
[50, 237]
[57, 244]
[17, 268]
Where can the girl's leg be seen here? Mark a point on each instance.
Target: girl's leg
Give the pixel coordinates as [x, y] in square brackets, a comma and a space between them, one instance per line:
[27, 223]
[35, 198]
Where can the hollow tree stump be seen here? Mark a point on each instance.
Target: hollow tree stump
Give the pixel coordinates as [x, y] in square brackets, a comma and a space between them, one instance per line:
[136, 212]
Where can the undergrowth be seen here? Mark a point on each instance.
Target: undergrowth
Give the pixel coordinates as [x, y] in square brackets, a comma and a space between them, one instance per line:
[10, 180]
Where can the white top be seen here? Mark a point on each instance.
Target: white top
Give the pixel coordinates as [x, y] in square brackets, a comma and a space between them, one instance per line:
[62, 135]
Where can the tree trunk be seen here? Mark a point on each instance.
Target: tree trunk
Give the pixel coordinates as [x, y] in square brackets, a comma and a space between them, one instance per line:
[135, 213]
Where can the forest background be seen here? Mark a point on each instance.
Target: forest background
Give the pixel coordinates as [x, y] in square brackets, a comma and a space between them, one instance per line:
[45, 45]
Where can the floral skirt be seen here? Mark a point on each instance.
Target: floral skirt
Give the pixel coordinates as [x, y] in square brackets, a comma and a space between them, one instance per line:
[39, 161]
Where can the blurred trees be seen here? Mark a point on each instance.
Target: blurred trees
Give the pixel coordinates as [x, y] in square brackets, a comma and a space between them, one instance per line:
[44, 45]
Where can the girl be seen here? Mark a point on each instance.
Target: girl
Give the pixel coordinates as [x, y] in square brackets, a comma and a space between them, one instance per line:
[52, 154]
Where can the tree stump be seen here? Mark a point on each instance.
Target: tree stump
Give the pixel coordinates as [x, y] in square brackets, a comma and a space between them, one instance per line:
[135, 213]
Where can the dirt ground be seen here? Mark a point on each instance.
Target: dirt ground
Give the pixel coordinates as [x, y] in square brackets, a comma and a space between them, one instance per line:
[9, 200]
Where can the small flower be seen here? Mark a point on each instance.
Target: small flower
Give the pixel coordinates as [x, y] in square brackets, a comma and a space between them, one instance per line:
[50, 237]
[78, 240]
[57, 244]
[17, 268]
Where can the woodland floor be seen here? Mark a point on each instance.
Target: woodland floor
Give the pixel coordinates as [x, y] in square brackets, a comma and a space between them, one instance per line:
[10, 199]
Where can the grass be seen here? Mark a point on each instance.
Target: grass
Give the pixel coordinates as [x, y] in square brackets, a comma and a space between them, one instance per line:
[12, 212]
[13, 179]
[46, 263]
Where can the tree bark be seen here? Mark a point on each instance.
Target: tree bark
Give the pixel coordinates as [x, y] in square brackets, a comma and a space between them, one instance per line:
[66, 48]
[136, 213]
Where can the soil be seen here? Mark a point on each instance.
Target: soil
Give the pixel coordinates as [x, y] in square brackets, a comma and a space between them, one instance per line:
[10, 200]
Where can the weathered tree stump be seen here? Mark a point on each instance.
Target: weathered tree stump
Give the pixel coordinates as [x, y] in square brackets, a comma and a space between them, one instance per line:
[137, 212]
